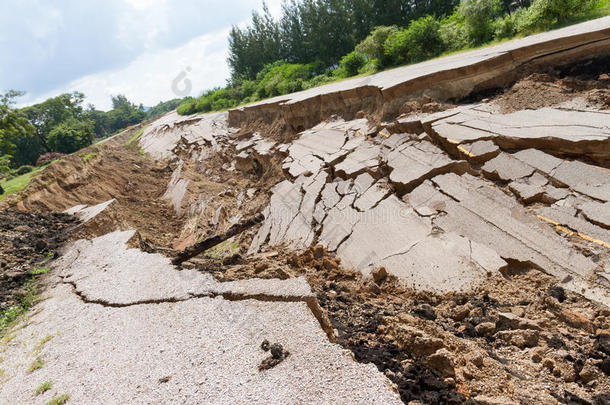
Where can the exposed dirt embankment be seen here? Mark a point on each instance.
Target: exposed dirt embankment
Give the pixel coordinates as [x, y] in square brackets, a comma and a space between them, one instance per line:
[100, 173]
[380, 97]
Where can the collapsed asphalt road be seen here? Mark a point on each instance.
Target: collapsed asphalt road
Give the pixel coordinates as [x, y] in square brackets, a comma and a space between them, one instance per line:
[423, 249]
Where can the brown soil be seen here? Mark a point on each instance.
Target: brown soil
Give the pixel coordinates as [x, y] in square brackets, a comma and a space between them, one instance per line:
[123, 173]
[588, 81]
[518, 338]
[26, 239]
[219, 194]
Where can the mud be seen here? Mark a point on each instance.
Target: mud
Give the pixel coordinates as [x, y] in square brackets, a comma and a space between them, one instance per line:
[26, 239]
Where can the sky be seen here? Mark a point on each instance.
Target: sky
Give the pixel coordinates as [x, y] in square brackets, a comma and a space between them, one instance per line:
[149, 50]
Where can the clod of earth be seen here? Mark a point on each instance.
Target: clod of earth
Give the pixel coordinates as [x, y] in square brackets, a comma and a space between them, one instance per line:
[278, 354]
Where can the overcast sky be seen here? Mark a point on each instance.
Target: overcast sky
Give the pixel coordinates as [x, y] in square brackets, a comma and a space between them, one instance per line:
[148, 50]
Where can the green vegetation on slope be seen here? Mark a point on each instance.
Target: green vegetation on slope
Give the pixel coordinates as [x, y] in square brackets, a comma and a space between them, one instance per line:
[418, 33]
[28, 297]
[59, 400]
[44, 387]
[18, 183]
[135, 136]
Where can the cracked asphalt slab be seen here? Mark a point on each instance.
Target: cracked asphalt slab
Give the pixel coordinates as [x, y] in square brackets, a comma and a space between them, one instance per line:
[184, 344]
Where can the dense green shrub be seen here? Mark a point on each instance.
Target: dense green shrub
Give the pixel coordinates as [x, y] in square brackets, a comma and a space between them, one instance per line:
[187, 107]
[283, 78]
[5, 161]
[373, 46]
[319, 80]
[505, 27]
[453, 32]
[473, 23]
[479, 16]
[351, 64]
[544, 14]
[419, 42]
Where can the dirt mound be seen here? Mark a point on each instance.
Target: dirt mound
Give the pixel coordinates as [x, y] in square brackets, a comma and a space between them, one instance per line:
[98, 174]
[589, 82]
[26, 238]
[518, 338]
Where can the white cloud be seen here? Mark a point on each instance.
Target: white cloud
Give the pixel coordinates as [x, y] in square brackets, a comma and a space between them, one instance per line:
[131, 47]
[148, 79]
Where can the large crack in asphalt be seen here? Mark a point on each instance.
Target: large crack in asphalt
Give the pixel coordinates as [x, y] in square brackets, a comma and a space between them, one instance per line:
[311, 302]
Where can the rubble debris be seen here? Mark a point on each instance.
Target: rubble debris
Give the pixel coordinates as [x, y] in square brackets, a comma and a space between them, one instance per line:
[487, 336]
[206, 244]
[278, 354]
[461, 249]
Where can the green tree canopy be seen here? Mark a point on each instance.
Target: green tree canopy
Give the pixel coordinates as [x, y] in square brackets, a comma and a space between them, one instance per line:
[53, 111]
[71, 135]
[13, 124]
[123, 114]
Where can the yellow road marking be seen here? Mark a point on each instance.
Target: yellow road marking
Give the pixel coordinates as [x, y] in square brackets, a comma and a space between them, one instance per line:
[465, 151]
[452, 141]
[570, 233]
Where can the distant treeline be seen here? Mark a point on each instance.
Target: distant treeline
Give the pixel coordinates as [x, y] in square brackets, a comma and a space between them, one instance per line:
[320, 41]
[61, 125]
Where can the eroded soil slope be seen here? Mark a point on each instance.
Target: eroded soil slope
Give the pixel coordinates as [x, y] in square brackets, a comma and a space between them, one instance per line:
[100, 173]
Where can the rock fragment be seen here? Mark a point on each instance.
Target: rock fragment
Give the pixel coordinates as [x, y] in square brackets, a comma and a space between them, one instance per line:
[506, 168]
[479, 151]
[414, 162]
[278, 354]
[442, 361]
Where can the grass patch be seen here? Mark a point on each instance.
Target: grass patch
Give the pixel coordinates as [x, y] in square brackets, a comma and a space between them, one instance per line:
[17, 184]
[37, 364]
[62, 399]
[224, 249]
[39, 270]
[135, 136]
[89, 156]
[40, 345]
[44, 387]
[29, 297]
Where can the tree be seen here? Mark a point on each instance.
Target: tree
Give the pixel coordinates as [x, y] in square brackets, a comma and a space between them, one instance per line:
[373, 45]
[14, 125]
[419, 42]
[163, 107]
[53, 111]
[100, 121]
[352, 63]
[479, 16]
[123, 113]
[71, 135]
[254, 47]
